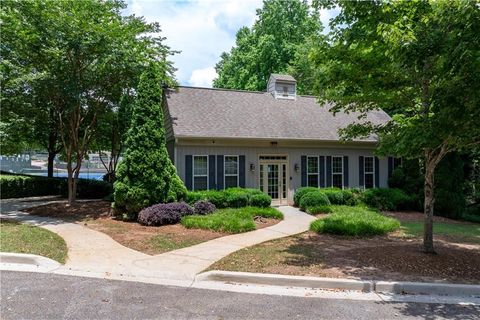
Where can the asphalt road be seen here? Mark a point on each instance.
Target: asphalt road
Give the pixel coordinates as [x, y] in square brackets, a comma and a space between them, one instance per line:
[46, 296]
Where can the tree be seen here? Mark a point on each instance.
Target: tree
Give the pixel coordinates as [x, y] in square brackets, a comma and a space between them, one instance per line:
[110, 135]
[269, 46]
[418, 60]
[146, 175]
[79, 57]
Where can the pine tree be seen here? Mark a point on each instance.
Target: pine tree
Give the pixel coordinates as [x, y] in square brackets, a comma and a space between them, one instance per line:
[146, 175]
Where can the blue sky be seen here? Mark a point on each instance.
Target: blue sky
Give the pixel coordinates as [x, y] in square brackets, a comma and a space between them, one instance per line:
[200, 29]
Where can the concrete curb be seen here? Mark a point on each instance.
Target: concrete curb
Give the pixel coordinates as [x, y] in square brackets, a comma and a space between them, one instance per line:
[448, 289]
[384, 287]
[284, 280]
[27, 262]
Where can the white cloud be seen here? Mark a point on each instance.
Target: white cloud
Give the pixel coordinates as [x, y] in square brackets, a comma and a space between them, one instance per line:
[200, 29]
[202, 77]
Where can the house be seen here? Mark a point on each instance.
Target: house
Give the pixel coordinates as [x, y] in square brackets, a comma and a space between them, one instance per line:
[276, 141]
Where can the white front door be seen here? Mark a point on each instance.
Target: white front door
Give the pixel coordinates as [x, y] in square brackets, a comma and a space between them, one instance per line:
[273, 180]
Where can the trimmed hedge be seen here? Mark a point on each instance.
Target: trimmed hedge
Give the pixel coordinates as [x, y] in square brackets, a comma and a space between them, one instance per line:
[19, 186]
[355, 221]
[164, 213]
[312, 199]
[231, 198]
[340, 196]
[387, 199]
[300, 192]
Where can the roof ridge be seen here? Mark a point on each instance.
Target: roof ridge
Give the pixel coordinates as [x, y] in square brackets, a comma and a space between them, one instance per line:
[222, 89]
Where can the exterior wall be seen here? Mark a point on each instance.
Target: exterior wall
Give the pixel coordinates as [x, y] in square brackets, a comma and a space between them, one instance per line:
[293, 154]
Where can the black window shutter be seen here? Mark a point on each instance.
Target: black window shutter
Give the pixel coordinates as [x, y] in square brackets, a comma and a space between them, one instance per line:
[322, 171]
[303, 170]
[241, 171]
[361, 172]
[345, 171]
[329, 171]
[377, 172]
[188, 172]
[211, 172]
[219, 172]
[390, 166]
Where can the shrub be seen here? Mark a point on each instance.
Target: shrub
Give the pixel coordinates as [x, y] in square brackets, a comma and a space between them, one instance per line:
[387, 199]
[203, 207]
[164, 213]
[355, 221]
[146, 175]
[312, 199]
[260, 200]
[194, 196]
[88, 188]
[319, 209]
[300, 192]
[231, 198]
[19, 186]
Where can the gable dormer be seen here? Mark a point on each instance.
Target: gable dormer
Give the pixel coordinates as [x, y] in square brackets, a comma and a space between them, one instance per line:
[282, 86]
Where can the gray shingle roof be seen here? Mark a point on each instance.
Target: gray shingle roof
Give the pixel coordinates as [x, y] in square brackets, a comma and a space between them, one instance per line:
[282, 77]
[219, 113]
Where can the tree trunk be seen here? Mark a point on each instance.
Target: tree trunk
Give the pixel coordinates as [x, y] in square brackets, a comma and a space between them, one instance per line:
[71, 183]
[429, 200]
[51, 158]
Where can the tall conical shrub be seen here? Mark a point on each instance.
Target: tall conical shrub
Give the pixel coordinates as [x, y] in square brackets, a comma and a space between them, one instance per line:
[146, 175]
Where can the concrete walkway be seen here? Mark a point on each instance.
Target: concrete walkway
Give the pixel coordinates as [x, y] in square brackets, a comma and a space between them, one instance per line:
[94, 253]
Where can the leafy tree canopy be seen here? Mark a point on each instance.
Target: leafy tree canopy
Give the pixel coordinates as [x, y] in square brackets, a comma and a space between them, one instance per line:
[269, 46]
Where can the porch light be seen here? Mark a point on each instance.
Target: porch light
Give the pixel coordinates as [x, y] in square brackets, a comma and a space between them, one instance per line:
[252, 167]
[297, 167]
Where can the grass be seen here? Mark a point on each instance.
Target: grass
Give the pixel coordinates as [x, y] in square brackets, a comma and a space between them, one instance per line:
[461, 232]
[22, 238]
[355, 221]
[230, 220]
[166, 242]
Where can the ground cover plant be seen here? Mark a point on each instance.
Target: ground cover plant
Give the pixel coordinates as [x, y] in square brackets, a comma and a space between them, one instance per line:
[231, 220]
[22, 238]
[355, 221]
[164, 213]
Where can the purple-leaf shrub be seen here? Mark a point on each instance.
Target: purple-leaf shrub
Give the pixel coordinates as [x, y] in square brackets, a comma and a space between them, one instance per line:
[203, 207]
[164, 213]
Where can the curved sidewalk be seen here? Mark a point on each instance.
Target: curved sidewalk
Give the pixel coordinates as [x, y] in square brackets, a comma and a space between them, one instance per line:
[96, 254]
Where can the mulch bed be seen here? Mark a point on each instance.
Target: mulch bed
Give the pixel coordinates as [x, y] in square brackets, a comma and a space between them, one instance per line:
[96, 215]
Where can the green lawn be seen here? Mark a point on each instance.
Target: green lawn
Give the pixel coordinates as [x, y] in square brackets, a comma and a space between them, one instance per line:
[230, 220]
[166, 242]
[459, 232]
[22, 238]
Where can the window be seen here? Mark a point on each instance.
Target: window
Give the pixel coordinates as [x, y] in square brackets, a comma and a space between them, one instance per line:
[312, 171]
[231, 171]
[285, 91]
[337, 172]
[369, 172]
[200, 172]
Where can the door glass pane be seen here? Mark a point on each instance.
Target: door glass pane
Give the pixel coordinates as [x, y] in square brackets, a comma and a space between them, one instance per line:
[272, 177]
[284, 180]
[261, 178]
